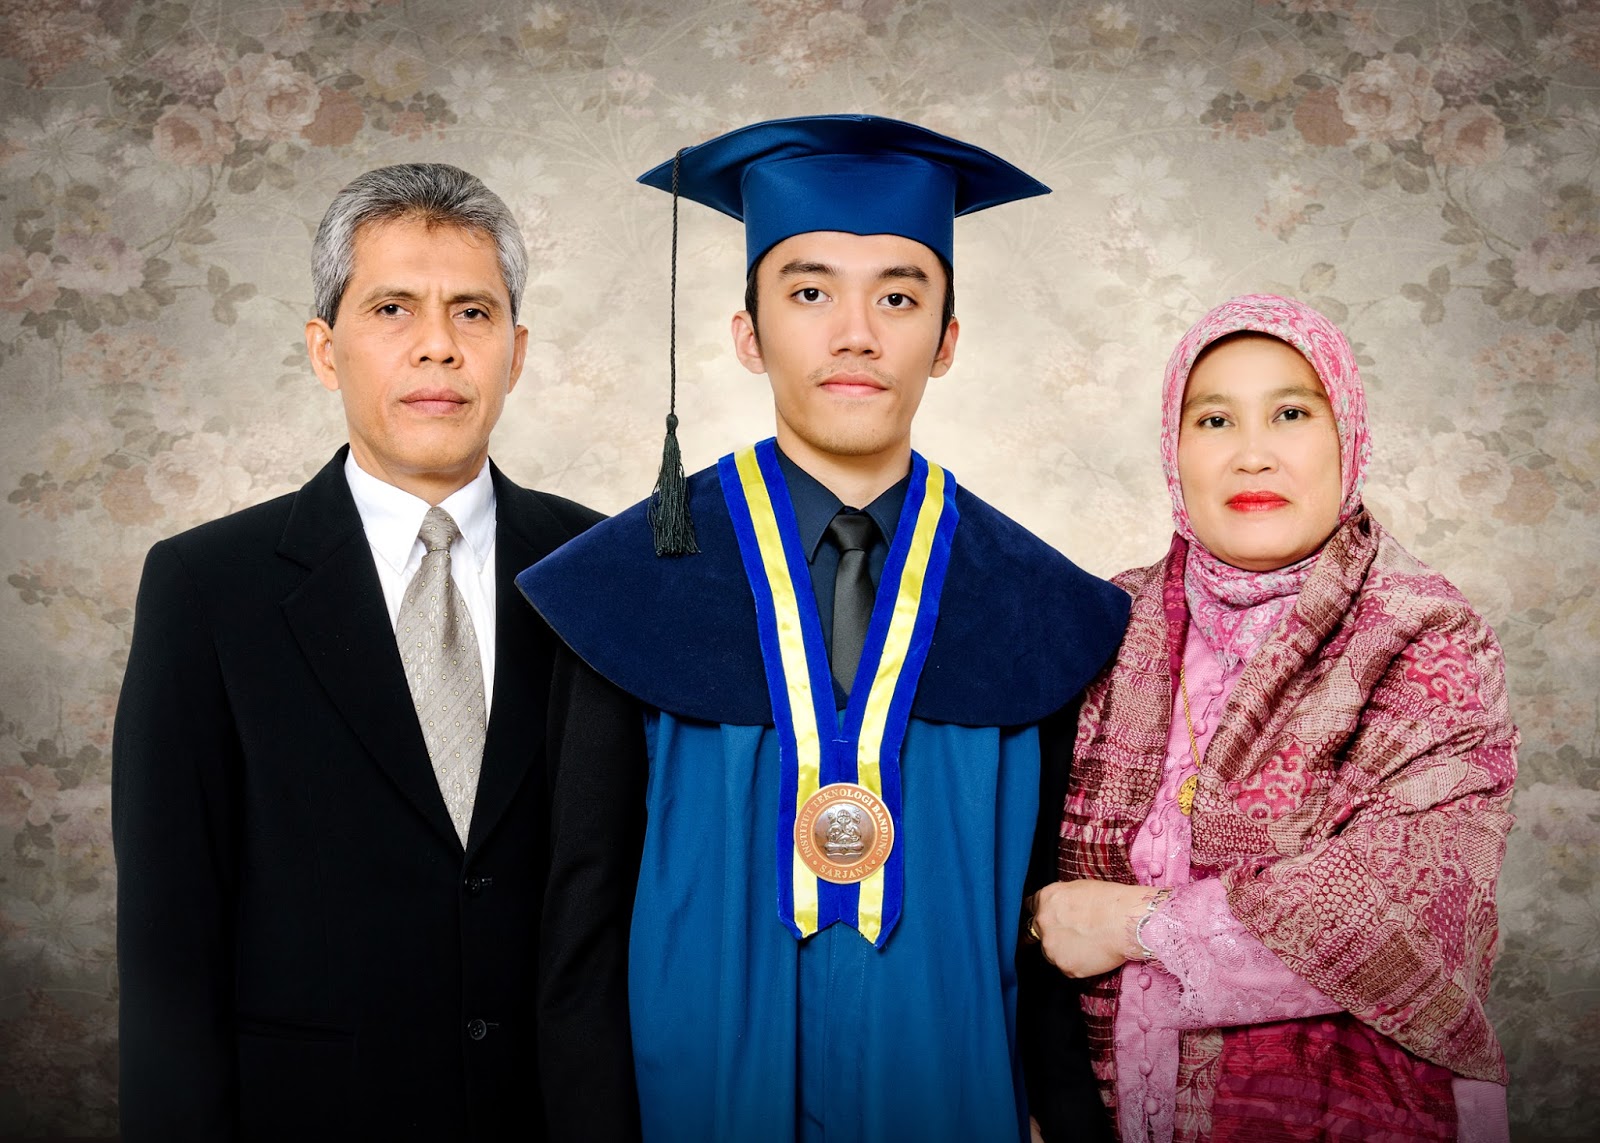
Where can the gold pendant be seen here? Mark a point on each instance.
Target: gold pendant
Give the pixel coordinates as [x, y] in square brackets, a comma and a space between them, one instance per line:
[1186, 793]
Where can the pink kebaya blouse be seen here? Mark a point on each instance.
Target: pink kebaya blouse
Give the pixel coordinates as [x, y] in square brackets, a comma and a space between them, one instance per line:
[1209, 971]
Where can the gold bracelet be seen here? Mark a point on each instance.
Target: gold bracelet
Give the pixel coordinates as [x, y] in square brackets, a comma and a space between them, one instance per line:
[1157, 899]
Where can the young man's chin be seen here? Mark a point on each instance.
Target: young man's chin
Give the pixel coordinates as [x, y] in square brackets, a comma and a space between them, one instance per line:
[856, 446]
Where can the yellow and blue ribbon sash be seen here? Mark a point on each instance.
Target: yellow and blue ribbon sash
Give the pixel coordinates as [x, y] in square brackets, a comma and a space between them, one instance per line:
[816, 747]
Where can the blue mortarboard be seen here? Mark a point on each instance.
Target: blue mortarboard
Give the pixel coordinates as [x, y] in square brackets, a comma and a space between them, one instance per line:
[862, 174]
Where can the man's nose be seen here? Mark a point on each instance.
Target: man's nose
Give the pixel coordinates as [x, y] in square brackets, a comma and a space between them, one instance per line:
[854, 332]
[435, 339]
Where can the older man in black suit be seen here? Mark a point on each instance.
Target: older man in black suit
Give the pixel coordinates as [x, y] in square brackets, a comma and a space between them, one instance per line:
[328, 790]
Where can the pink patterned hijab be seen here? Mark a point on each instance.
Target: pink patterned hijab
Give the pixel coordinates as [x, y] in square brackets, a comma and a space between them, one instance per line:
[1236, 609]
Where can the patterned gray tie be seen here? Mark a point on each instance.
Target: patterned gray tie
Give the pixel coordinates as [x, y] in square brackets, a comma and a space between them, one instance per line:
[440, 651]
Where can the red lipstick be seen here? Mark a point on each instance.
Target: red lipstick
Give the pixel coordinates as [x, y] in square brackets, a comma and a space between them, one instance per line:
[1256, 501]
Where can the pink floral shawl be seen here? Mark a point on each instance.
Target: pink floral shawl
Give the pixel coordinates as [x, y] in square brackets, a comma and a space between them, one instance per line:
[1353, 800]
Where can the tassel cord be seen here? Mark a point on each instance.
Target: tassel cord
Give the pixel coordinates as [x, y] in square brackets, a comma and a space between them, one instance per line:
[670, 524]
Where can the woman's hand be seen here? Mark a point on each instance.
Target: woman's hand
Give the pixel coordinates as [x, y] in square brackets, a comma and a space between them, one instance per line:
[1086, 927]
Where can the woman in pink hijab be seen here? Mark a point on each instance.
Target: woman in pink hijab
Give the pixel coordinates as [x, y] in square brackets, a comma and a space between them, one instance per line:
[1288, 804]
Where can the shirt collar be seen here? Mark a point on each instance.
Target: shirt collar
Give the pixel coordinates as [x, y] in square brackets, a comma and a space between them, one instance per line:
[815, 506]
[392, 517]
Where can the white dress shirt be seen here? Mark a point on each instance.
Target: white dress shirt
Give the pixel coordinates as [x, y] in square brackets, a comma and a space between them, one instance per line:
[392, 518]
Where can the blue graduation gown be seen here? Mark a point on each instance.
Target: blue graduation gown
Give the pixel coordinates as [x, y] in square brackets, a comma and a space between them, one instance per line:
[739, 1031]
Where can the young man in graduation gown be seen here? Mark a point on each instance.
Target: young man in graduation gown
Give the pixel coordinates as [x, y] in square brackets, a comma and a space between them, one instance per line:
[818, 833]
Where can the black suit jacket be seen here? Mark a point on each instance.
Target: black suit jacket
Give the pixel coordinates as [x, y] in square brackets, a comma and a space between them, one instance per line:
[305, 949]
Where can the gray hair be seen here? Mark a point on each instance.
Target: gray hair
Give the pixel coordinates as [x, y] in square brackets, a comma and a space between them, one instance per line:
[436, 193]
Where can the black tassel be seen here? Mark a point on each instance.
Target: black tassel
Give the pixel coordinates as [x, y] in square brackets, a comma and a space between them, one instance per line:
[669, 503]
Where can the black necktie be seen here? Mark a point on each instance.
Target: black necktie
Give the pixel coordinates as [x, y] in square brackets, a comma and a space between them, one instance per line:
[852, 533]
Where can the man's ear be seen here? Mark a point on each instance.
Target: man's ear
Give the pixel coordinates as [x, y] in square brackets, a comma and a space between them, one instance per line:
[519, 353]
[319, 346]
[746, 345]
[946, 356]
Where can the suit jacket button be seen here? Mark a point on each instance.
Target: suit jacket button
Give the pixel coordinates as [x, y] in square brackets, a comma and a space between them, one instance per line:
[476, 885]
[477, 1029]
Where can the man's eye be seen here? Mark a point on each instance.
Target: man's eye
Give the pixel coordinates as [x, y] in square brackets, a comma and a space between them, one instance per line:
[474, 313]
[809, 294]
[390, 309]
[897, 301]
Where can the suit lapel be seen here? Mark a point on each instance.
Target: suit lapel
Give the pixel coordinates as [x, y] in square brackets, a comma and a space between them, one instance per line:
[339, 618]
[525, 532]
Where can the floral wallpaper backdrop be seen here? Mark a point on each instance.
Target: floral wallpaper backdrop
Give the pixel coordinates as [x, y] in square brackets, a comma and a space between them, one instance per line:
[1424, 171]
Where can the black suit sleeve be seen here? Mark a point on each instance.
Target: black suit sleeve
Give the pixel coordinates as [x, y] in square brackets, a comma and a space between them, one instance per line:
[175, 758]
[1062, 1093]
[597, 774]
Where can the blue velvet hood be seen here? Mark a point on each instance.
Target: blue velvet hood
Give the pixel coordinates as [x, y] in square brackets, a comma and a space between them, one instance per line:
[1022, 629]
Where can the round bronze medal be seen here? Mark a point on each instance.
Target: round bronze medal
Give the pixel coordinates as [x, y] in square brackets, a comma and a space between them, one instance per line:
[844, 833]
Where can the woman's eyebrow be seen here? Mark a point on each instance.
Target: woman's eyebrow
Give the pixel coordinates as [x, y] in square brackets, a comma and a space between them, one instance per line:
[1205, 399]
[1287, 392]
[1304, 392]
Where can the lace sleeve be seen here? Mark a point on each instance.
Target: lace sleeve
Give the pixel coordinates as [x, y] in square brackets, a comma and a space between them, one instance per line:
[1228, 977]
[1481, 1115]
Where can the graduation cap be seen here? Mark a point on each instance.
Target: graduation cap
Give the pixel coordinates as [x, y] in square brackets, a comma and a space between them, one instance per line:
[860, 174]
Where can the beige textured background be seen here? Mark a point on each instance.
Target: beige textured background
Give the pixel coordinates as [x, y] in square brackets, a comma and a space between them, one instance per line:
[1423, 170]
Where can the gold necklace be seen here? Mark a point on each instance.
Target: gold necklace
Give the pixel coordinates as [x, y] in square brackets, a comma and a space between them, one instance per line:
[1192, 782]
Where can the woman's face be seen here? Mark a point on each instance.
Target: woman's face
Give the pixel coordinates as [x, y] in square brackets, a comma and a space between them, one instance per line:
[1258, 454]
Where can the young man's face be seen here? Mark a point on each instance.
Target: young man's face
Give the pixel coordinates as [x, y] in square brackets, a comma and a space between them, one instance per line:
[849, 335]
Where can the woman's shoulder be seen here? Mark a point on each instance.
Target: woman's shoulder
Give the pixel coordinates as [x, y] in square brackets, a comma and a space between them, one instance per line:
[1136, 581]
[1400, 577]
[1433, 631]
[1442, 661]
